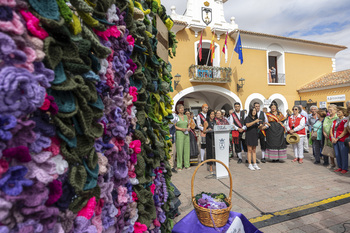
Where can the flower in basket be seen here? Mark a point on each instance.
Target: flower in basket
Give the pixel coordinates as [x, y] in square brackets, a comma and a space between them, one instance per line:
[212, 201]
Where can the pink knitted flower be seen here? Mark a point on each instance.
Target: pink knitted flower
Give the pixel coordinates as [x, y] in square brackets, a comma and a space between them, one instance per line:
[33, 25]
[134, 196]
[139, 228]
[122, 195]
[55, 192]
[131, 40]
[89, 209]
[11, 3]
[112, 31]
[55, 146]
[136, 146]
[152, 187]
[133, 93]
[15, 25]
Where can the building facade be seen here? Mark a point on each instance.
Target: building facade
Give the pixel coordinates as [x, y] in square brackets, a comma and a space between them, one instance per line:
[222, 82]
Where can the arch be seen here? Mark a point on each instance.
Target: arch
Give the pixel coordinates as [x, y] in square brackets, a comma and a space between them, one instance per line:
[207, 88]
[281, 101]
[255, 97]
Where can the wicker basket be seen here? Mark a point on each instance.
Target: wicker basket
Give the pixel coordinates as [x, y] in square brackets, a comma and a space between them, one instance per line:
[218, 216]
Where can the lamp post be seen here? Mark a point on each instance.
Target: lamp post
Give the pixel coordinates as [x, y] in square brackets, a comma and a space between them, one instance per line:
[240, 83]
[176, 80]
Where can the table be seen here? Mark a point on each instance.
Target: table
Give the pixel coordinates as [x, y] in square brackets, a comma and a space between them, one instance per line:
[190, 223]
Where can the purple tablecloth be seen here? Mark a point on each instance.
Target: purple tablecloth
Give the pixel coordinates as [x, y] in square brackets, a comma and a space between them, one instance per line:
[190, 223]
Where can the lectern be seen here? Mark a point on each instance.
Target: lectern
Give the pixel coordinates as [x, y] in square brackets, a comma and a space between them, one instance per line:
[222, 147]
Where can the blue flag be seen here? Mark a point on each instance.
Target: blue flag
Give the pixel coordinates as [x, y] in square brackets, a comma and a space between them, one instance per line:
[238, 48]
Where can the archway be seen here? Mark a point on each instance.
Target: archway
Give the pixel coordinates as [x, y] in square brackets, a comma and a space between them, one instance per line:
[201, 91]
[281, 101]
[255, 97]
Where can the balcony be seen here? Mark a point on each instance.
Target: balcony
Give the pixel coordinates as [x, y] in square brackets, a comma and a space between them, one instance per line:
[280, 79]
[209, 74]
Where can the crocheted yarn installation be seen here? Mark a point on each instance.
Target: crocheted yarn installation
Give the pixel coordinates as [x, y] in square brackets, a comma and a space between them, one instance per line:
[84, 113]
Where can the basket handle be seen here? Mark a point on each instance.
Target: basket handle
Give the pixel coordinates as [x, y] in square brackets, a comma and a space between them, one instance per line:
[206, 161]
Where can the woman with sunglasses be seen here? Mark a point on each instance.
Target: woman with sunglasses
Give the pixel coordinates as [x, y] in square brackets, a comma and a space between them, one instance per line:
[296, 124]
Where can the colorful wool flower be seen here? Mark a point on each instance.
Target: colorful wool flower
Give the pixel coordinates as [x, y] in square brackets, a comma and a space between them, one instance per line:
[89, 209]
[33, 25]
[13, 180]
[139, 228]
[7, 122]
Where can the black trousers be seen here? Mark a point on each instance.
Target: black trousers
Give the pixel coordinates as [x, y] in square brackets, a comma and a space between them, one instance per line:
[262, 140]
[238, 147]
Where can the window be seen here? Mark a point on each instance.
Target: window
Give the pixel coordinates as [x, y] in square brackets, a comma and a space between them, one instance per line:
[206, 55]
[275, 65]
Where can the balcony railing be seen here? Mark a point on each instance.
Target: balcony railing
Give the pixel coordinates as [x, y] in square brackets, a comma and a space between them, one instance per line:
[280, 79]
[209, 74]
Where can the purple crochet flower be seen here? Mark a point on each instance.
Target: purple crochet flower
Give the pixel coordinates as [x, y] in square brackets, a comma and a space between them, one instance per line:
[43, 75]
[23, 134]
[7, 122]
[121, 170]
[83, 225]
[20, 91]
[9, 54]
[30, 225]
[13, 180]
[40, 143]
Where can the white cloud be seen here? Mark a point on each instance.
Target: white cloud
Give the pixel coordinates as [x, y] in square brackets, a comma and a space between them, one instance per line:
[317, 20]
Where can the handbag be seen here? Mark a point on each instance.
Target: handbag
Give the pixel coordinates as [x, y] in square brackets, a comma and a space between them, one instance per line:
[329, 151]
[314, 133]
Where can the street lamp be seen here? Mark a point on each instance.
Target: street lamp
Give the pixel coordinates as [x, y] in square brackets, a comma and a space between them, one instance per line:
[176, 80]
[240, 83]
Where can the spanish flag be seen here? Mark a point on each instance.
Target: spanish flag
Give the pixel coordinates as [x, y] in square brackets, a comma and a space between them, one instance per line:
[200, 46]
[212, 47]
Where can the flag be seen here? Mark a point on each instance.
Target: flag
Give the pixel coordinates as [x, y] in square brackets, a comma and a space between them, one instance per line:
[212, 47]
[224, 49]
[200, 46]
[238, 48]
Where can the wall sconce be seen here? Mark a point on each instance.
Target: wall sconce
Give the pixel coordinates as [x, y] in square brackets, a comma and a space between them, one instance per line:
[310, 101]
[176, 80]
[240, 83]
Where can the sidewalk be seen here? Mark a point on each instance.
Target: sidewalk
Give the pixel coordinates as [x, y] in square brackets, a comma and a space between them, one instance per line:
[277, 186]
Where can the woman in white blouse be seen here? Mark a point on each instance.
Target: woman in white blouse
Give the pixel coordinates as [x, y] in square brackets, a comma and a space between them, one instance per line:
[296, 124]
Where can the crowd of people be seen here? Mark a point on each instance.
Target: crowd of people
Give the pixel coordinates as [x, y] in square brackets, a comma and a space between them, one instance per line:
[328, 131]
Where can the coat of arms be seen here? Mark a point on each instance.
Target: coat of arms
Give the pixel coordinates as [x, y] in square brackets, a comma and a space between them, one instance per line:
[222, 144]
[206, 15]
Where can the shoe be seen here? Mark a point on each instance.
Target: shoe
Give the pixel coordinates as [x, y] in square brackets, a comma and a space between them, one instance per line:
[300, 161]
[187, 168]
[257, 161]
[306, 151]
[250, 167]
[239, 161]
[344, 171]
[179, 169]
[338, 170]
[317, 162]
[174, 170]
[325, 164]
[256, 167]
[295, 160]
[246, 161]
[263, 160]
[331, 166]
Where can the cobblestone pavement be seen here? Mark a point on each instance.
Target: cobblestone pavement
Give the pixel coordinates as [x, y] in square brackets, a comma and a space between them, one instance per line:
[277, 186]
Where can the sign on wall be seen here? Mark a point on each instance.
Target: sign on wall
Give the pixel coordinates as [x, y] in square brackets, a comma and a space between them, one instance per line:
[336, 98]
[323, 104]
[162, 37]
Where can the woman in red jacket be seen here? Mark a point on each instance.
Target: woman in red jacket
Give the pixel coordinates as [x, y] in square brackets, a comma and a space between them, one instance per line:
[296, 124]
[338, 136]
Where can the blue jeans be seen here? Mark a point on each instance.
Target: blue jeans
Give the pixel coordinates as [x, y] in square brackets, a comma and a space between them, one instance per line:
[341, 153]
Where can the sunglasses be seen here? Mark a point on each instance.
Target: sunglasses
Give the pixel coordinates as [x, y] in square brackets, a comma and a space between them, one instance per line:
[295, 109]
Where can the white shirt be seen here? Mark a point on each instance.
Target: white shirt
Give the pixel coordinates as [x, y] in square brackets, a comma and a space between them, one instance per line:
[300, 126]
[231, 121]
[265, 118]
[199, 123]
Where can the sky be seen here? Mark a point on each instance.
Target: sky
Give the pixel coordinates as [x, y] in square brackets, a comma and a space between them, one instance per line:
[326, 21]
